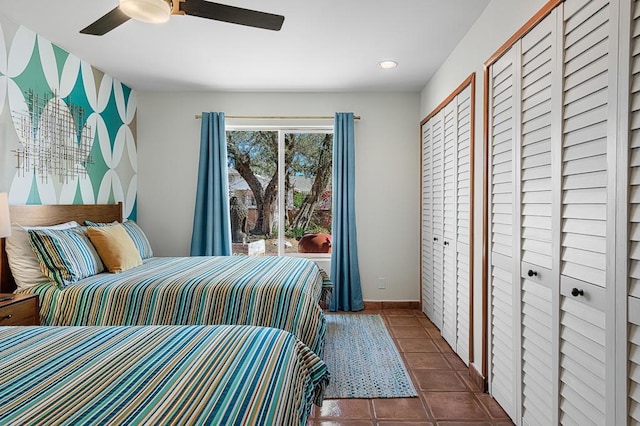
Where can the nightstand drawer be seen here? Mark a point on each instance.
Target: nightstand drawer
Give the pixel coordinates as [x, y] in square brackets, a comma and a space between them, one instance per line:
[23, 313]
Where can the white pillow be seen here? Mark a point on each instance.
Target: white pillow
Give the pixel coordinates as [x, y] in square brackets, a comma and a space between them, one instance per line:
[23, 262]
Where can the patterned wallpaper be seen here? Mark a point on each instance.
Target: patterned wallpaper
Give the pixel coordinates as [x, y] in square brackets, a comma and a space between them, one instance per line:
[30, 62]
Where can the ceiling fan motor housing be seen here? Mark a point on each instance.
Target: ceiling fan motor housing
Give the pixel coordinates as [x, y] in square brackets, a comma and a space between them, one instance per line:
[151, 11]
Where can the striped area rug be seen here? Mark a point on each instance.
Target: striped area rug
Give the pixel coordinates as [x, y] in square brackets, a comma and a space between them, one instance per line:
[363, 360]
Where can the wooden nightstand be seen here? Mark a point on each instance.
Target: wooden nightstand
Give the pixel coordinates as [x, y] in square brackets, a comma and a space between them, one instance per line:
[21, 310]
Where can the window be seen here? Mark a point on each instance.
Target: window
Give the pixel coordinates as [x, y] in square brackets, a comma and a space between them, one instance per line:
[259, 160]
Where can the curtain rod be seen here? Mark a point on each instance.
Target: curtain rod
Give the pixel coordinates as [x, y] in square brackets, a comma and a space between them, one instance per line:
[282, 117]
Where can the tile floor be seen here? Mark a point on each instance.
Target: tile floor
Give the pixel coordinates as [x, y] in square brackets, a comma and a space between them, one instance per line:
[447, 395]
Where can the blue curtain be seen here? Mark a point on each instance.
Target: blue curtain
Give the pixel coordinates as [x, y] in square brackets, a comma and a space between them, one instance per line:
[211, 223]
[345, 273]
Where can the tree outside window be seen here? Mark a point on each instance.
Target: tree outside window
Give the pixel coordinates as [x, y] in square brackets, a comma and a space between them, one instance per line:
[256, 159]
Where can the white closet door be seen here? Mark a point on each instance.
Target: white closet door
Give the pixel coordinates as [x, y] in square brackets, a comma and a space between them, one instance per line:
[584, 213]
[427, 222]
[463, 217]
[450, 288]
[502, 276]
[634, 219]
[634, 156]
[437, 138]
[538, 59]
[634, 361]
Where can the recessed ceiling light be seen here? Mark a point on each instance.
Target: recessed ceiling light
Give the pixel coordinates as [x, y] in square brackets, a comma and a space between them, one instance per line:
[387, 64]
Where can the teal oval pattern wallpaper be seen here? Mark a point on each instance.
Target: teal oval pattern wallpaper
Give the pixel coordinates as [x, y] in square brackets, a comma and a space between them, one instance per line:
[31, 64]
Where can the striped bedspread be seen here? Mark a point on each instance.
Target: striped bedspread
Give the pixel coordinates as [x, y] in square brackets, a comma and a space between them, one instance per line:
[219, 375]
[279, 292]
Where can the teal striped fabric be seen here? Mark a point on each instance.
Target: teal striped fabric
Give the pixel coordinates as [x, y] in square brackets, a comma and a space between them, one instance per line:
[65, 255]
[135, 232]
[196, 375]
[279, 292]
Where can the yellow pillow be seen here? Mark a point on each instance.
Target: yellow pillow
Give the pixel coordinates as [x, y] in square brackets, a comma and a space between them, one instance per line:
[115, 247]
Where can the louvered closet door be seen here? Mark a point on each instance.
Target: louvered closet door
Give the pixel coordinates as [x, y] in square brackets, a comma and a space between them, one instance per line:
[537, 270]
[502, 276]
[450, 287]
[634, 156]
[584, 213]
[437, 143]
[463, 188]
[634, 361]
[634, 219]
[427, 222]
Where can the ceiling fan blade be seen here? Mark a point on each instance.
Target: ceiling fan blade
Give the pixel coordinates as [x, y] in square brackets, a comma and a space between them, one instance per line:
[232, 14]
[105, 24]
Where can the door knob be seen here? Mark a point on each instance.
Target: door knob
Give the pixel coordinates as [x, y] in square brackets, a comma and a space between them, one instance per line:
[575, 292]
[532, 273]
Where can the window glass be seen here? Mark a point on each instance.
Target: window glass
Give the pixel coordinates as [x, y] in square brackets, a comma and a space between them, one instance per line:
[258, 160]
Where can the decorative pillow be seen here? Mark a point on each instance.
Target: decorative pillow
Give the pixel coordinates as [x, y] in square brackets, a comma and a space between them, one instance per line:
[135, 232]
[66, 256]
[24, 264]
[115, 247]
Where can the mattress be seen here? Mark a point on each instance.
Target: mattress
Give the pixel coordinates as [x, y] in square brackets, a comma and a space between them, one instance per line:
[231, 375]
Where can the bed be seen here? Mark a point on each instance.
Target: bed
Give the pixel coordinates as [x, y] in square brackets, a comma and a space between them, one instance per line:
[232, 375]
[280, 292]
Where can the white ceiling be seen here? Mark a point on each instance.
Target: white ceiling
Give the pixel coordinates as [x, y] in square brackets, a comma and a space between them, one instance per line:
[325, 45]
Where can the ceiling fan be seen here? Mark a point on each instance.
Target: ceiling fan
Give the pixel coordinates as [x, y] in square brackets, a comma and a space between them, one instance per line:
[158, 11]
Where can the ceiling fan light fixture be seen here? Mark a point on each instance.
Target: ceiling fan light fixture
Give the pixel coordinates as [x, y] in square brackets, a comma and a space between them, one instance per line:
[151, 11]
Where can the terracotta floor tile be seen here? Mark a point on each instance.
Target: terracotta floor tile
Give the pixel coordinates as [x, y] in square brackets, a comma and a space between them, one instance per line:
[466, 423]
[345, 409]
[404, 321]
[416, 345]
[396, 312]
[399, 408]
[427, 360]
[426, 323]
[466, 378]
[433, 333]
[439, 380]
[442, 345]
[494, 409]
[456, 362]
[344, 423]
[455, 406]
[405, 423]
[409, 332]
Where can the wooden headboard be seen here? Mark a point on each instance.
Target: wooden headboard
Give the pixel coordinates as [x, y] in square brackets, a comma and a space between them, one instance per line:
[42, 215]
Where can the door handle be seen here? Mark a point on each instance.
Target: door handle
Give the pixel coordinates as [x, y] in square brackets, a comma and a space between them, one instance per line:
[577, 292]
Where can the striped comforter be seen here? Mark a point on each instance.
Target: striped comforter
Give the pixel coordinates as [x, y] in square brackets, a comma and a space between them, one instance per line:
[279, 292]
[223, 375]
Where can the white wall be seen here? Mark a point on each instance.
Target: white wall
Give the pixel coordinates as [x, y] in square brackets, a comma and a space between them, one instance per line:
[500, 20]
[387, 173]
